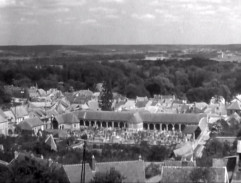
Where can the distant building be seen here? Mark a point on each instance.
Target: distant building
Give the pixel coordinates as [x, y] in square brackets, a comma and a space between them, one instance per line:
[31, 125]
[20, 112]
[3, 123]
[66, 121]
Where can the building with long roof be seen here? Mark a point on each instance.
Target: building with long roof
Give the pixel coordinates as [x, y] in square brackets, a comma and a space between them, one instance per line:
[130, 120]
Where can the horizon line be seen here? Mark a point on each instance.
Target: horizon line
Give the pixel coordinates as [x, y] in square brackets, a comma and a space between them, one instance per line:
[143, 44]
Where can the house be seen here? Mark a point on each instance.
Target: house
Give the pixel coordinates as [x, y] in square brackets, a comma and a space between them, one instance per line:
[234, 107]
[141, 104]
[31, 125]
[94, 105]
[3, 123]
[66, 121]
[10, 116]
[42, 115]
[118, 105]
[133, 171]
[20, 112]
[130, 104]
[33, 92]
[79, 97]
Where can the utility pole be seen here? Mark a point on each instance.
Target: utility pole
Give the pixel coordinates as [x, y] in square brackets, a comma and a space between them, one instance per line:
[82, 179]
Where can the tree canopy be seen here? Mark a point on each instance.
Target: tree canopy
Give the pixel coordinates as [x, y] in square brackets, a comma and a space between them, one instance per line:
[196, 79]
[108, 177]
[29, 170]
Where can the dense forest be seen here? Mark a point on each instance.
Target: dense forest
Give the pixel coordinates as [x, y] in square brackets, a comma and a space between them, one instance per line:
[197, 79]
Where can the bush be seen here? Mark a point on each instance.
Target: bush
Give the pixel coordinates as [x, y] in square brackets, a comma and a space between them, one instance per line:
[108, 177]
[152, 170]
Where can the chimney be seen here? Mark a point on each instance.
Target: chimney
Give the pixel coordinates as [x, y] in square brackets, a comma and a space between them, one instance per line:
[140, 159]
[93, 166]
[15, 154]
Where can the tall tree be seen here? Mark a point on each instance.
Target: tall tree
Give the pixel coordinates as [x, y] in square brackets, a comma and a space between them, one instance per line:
[106, 97]
[30, 170]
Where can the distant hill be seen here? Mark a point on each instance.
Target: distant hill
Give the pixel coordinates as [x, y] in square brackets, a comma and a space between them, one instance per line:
[69, 50]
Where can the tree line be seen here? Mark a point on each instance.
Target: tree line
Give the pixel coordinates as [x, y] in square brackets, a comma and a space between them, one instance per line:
[197, 79]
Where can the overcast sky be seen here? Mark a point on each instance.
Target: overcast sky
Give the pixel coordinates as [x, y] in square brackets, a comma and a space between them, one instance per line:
[34, 22]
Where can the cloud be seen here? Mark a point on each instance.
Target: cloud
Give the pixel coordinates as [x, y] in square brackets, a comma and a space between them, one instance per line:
[111, 1]
[11, 3]
[25, 21]
[103, 10]
[66, 20]
[143, 17]
[89, 21]
[112, 16]
[69, 3]
[5, 3]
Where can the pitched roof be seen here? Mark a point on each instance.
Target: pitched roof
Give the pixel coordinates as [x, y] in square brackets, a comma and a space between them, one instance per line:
[84, 93]
[119, 104]
[140, 103]
[234, 116]
[2, 113]
[109, 116]
[67, 118]
[234, 106]
[73, 172]
[50, 141]
[3, 119]
[155, 179]
[51, 112]
[9, 114]
[172, 118]
[93, 105]
[182, 174]
[185, 150]
[30, 123]
[19, 111]
[41, 92]
[37, 113]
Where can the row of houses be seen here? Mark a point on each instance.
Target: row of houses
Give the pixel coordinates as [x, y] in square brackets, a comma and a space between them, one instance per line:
[132, 171]
[53, 103]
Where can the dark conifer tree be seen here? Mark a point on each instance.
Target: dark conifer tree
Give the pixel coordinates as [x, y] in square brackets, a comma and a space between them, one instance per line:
[106, 96]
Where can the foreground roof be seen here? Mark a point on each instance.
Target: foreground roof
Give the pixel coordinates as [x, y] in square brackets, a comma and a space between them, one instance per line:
[133, 171]
[182, 174]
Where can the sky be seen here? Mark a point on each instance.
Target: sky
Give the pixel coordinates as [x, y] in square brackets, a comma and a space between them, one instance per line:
[81, 22]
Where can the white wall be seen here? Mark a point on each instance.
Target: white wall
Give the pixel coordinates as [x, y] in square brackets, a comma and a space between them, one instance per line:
[4, 128]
